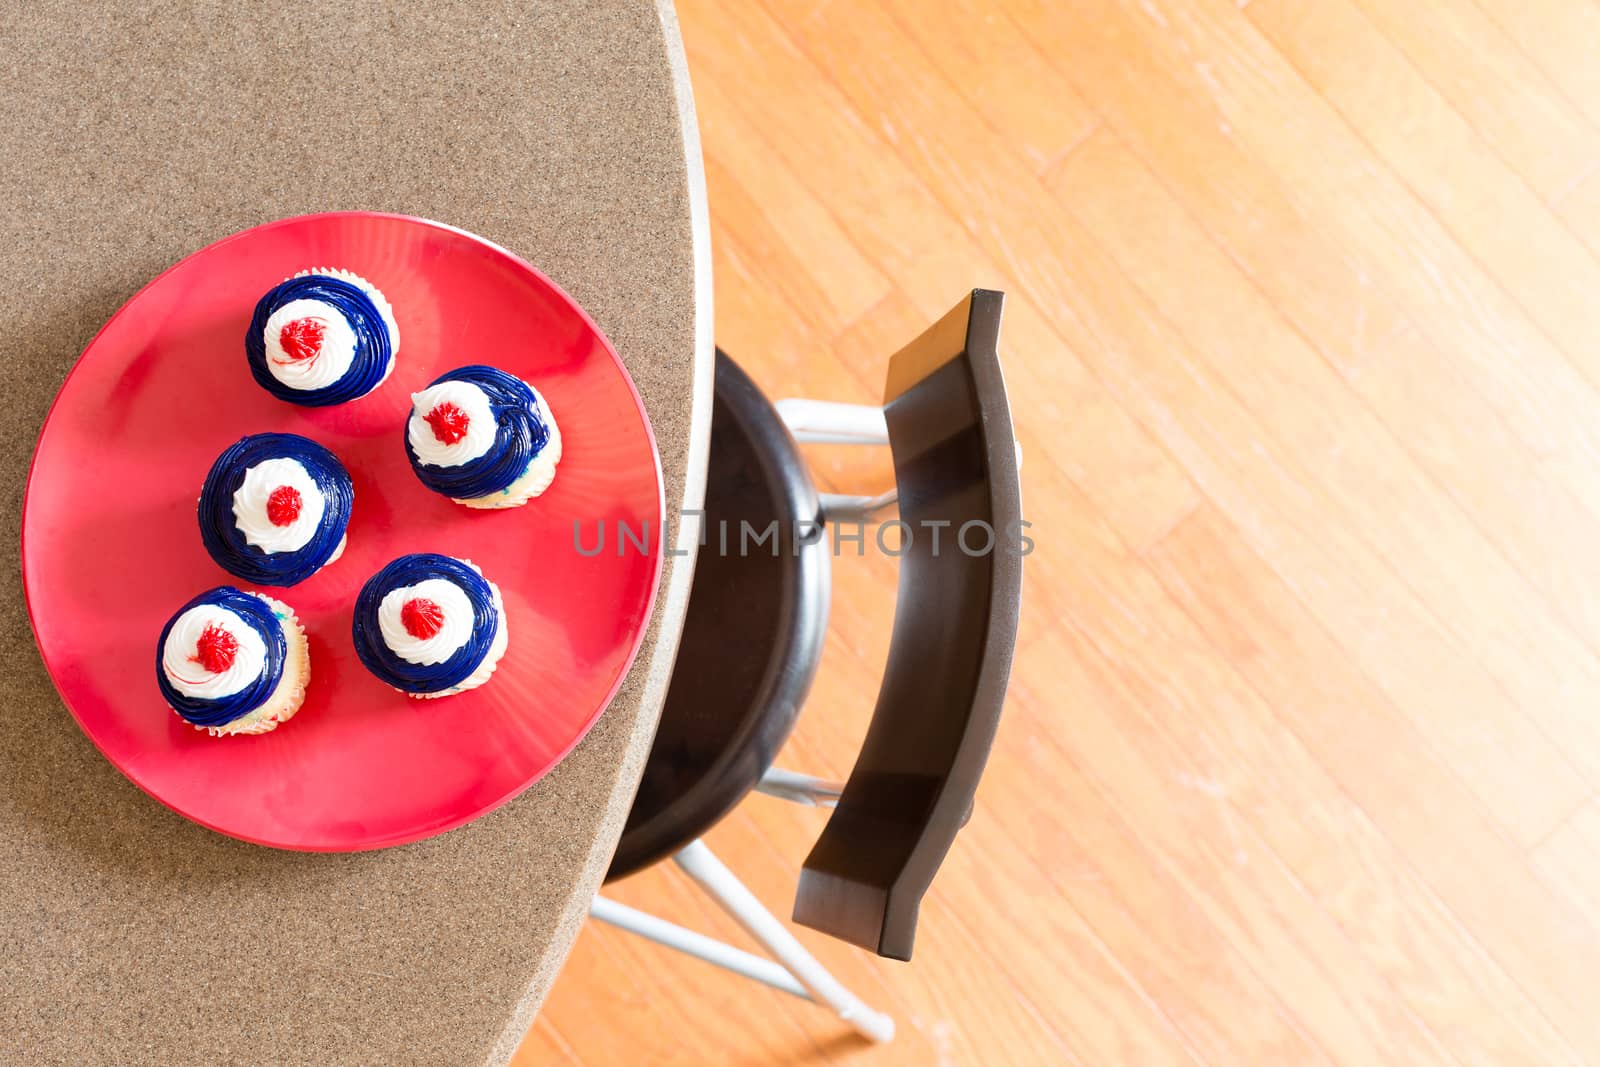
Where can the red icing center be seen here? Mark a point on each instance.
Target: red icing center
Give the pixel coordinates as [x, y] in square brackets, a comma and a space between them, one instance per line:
[216, 649]
[448, 421]
[301, 339]
[422, 618]
[283, 506]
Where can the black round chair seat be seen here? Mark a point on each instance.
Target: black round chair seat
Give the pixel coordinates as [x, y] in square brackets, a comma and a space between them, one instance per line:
[752, 635]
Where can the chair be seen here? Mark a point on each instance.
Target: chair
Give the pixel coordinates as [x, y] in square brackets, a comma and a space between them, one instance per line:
[753, 636]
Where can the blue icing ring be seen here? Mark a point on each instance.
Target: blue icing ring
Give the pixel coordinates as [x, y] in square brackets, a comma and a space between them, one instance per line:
[419, 677]
[259, 616]
[521, 432]
[373, 352]
[226, 543]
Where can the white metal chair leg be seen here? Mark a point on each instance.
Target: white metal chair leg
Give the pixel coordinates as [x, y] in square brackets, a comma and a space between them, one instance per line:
[699, 863]
[800, 788]
[697, 945]
[848, 506]
[829, 422]
[795, 971]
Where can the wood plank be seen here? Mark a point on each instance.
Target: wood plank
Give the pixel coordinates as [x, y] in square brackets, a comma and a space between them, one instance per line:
[1501, 91]
[943, 1010]
[741, 1020]
[786, 357]
[1209, 737]
[608, 1010]
[824, 309]
[1560, 38]
[1275, 373]
[545, 1047]
[1219, 864]
[1444, 831]
[1581, 209]
[804, 252]
[1025, 100]
[1550, 694]
[1570, 860]
[1446, 163]
[1287, 187]
[892, 219]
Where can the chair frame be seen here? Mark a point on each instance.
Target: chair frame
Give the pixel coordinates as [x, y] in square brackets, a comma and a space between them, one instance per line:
[791, 968]
[887, 924]
[915, 778]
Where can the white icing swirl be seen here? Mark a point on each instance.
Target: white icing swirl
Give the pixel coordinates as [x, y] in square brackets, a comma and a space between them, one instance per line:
[179, 656]
[250, 506]
[455, 631]
[481, 428]
[331, 362]
[491, 659]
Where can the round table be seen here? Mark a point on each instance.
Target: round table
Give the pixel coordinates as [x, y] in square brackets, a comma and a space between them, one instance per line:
[565, 133]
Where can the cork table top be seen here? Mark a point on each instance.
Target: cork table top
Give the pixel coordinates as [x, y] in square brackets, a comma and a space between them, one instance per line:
[141, 132]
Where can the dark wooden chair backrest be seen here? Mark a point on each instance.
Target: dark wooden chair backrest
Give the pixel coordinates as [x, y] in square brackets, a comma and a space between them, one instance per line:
[955, 626]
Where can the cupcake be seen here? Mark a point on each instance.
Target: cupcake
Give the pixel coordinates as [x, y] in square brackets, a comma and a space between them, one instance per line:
[322, 337]
[483, 438]
[274, 508]
[231, 662]
[430, 625]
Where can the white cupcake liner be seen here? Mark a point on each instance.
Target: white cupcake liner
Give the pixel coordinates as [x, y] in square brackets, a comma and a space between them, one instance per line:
[532, 482]
[491, 659]
[286, 699]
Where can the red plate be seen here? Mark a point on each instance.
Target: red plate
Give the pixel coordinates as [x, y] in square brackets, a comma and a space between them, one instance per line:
[111, 548]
